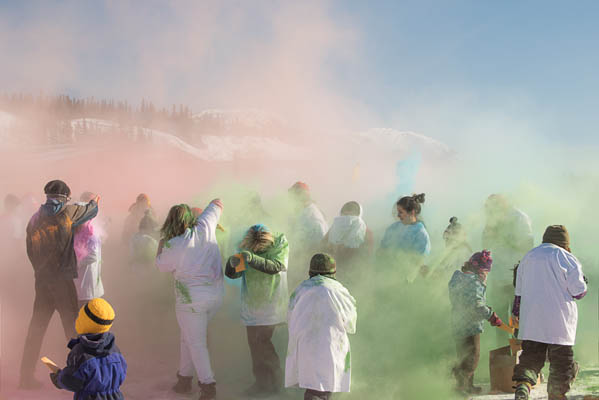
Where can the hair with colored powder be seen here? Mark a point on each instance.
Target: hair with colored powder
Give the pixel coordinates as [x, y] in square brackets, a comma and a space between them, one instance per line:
[257, 239]
[179, 219]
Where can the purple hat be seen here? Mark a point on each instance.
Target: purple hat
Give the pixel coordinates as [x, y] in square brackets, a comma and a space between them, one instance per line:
[481, 260]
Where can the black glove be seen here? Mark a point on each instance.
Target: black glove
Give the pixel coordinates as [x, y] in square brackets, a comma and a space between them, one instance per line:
[584, 278]
[54, 378]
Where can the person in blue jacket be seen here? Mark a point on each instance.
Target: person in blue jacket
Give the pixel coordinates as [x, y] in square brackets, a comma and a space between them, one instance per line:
[406, 242]
[95, 369]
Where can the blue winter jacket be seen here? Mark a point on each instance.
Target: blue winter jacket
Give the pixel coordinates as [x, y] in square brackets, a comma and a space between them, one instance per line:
[95, 368]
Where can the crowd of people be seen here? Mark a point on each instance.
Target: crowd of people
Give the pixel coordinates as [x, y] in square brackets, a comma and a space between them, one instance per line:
[64, 248]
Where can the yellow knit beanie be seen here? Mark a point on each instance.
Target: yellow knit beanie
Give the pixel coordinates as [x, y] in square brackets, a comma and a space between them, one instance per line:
[95, 317]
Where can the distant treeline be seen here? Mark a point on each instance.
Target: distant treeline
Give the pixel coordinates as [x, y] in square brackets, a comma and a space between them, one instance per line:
[52, 115]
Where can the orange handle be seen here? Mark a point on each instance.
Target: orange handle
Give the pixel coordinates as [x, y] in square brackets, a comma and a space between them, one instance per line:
[241, 266]
[506, 328]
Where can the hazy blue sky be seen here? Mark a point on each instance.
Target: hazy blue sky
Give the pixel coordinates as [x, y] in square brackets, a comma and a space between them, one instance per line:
[436, 67]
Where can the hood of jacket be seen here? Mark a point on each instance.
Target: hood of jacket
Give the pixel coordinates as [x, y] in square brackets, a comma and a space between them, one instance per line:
[97, 344]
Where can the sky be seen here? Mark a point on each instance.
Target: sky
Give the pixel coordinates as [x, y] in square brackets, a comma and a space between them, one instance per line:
[452, 70]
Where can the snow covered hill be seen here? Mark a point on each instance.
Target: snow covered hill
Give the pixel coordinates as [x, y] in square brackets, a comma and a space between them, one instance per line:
[240, 135]
[210, 148]
[399, 143]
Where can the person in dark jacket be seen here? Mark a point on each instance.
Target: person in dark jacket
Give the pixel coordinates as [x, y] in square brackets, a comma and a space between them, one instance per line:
[50, 250]
[95, 369]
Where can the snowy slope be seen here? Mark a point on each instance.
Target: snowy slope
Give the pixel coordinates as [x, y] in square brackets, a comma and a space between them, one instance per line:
[400, 143]
[212, 147]
[220, 144]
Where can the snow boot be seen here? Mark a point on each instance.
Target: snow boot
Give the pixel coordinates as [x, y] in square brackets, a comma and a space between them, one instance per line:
[469, 387]
[207, 391]
[522, 391]
[183, 384]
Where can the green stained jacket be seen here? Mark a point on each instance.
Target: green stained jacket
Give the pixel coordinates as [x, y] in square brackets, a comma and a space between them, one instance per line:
[264, 293]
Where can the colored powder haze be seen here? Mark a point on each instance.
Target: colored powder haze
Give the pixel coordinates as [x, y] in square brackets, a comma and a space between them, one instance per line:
[276, 76]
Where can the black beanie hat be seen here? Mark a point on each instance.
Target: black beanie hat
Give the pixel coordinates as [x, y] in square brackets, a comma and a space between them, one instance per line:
[57, 188]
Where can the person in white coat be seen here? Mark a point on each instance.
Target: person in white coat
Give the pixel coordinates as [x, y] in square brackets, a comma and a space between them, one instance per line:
[189, 250]
[309, 225]
[321, 314]
[548, 283]
[87, 243]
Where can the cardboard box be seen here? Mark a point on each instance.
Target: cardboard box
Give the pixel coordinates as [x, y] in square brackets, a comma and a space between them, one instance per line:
[501, 366]
[501, 369]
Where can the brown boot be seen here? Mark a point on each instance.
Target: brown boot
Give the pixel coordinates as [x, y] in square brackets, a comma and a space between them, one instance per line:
[207, 391]
[469, 387]
[183, 384]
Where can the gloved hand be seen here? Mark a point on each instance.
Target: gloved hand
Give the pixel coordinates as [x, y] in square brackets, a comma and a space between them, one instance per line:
[54, 378]
[234, 261]
[585, 279]
[495, 320]
[247, 255]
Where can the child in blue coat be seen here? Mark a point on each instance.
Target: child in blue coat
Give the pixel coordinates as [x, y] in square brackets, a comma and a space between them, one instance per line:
[95, 367]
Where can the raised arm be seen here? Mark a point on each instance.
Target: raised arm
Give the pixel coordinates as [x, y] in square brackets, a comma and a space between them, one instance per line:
[80, 214]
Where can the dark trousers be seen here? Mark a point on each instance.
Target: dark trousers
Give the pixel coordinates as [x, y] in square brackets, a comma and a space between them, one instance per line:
[562, 367]
[265, 361]
[316, 395]
[468, 351]
[53, 295]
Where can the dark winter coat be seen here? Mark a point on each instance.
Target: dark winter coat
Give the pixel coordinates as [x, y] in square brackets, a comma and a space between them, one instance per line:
[95, 368]
[468, 296]
[50, 238]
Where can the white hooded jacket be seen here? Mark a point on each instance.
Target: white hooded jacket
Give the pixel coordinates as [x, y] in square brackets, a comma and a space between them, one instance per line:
[348, 231]
[321, 314]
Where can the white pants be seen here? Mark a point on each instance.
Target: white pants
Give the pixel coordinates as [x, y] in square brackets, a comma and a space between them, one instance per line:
[193, 321]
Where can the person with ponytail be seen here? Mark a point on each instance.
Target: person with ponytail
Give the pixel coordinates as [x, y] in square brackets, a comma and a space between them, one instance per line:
[189, 250]
[406, 241]
[261, 263]
[456, 248]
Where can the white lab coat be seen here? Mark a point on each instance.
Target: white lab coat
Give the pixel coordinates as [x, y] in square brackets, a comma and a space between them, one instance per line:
[322, 313]
[311, 225]
[548, 279]
[89, 271]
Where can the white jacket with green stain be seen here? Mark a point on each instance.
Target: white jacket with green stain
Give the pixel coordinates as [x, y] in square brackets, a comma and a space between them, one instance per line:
[195, 260]
[321, 314]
